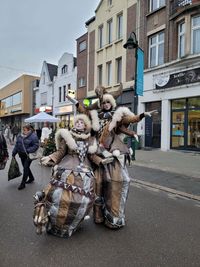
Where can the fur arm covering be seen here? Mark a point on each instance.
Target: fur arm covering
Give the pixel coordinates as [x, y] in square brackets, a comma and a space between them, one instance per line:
[123, 116]
[70, 140]
[67, 136]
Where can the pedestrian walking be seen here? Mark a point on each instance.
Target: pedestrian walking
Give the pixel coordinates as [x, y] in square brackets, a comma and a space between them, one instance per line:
[15, 132]
[69, 196]
[26, 143]
[3, 152]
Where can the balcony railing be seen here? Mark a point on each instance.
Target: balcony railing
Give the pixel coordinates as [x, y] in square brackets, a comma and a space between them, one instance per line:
[178, 5]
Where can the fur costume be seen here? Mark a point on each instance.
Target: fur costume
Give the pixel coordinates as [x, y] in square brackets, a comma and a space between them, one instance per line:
[69, 196]
[112, 180]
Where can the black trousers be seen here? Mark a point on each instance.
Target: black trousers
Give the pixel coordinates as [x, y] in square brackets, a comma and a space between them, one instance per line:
[26, 162]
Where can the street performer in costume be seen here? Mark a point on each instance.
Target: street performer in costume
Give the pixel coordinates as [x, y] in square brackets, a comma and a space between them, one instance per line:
[112, 179]
[70, 195]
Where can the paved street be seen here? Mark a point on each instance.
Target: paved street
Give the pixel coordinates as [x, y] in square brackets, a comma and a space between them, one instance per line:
[162, 230]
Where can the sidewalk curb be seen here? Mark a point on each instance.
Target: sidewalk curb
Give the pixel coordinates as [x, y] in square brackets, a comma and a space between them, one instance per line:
[164, 169]
[166, 189]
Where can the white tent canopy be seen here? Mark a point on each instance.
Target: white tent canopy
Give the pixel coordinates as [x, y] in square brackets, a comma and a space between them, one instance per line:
[42, 117]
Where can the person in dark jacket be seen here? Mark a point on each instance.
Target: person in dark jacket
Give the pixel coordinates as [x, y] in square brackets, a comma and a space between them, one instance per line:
[3, 152]
[26, 143]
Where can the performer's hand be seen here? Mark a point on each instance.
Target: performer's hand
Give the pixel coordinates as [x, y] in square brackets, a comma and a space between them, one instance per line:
[45, 160]
[150, 113]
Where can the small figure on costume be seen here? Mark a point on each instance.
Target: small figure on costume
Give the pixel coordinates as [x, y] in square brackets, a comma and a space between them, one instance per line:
[69, 196]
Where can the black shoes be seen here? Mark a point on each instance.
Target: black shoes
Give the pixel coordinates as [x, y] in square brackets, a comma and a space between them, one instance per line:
[21, 186]
[29, 181]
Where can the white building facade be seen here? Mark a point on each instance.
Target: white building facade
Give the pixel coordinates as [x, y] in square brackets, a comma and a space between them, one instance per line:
[65, 83]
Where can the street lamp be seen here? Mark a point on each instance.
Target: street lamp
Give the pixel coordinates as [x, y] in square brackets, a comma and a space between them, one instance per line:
[132, 43]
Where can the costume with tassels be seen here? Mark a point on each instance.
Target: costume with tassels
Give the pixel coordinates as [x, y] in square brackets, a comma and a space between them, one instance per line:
[70, 195]
[112, 179]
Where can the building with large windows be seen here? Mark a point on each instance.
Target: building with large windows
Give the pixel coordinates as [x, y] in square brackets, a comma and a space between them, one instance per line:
[169, 34]
[170, 37]
[16, 100]
[101, 48]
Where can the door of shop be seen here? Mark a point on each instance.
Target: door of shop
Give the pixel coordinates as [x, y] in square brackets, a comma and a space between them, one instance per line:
[153, 126]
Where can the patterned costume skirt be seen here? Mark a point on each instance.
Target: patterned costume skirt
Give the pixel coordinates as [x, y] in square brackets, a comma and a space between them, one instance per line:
[112, 188]
[69, 198]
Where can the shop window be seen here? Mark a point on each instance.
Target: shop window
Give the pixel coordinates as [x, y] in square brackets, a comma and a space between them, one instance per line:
[194, 103]
[179, 104]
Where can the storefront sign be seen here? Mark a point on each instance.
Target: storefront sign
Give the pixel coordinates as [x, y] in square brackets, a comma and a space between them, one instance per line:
[63, 110]
[163, 81]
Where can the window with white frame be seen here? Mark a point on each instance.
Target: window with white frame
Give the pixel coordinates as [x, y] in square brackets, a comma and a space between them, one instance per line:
[195, 35]
[119, 70]
[64, 69]
[64, 93]
[81, 82]
[181, 39]
[100, 74]
[43, 98]
[82, 46]
[60, 94]
[100, 36]
[109, 31]
[119, 26]
[109, 72]
[155, 4]
[156, 49]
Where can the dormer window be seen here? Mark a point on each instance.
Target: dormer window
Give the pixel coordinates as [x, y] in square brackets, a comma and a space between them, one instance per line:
[64, 69]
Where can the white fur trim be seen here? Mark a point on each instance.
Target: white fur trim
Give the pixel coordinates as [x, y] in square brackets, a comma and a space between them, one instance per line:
[66, 135]
[95, 120]
[85, 119]
[118, 115]
[92, 148]
[116, 153]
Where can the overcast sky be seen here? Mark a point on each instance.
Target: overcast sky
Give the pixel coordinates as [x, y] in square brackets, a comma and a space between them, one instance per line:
[32, 31]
